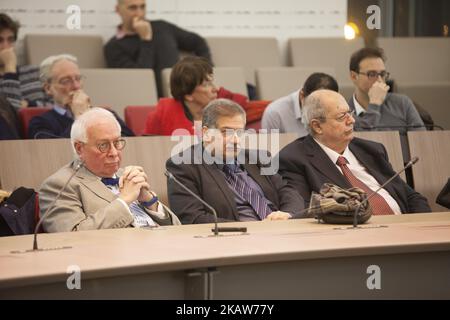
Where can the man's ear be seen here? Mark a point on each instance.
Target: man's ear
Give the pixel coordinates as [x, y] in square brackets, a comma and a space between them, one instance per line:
[206, 134]
[316, 126]
[78, 148]
[353, 76]
[46, 88]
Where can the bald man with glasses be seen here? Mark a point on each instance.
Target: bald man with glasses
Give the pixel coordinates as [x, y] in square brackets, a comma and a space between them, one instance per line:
[100, 195]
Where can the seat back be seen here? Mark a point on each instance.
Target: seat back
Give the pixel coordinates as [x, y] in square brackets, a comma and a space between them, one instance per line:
[25, 116]
[118, 88]
[246, 52]
[136, 118]
[87, 48]
[432, 170]
[332, 53]
[275, 82]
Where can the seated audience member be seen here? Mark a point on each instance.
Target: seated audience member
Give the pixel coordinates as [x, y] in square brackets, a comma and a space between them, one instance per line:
[330, 154]
[375, 108]
[9, 125]
[285, 113]
[100, 195]
[228, 178]
[19, 84]
[141, 43]
[192, 87]
[63, 82]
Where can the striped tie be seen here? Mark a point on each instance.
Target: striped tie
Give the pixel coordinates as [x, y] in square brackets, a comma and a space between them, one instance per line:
[377, 202]
[259, 204]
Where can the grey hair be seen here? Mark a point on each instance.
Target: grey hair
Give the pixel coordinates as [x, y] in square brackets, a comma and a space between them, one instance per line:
[221, 108]
[47, 64]
[312, 109]
[90, 118]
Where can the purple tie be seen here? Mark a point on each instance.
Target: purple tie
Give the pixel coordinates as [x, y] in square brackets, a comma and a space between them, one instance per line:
[259, 204]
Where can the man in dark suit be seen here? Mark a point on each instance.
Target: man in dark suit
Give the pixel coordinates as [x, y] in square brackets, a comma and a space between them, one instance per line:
[330, 154]
[63, 83]
[226, 177]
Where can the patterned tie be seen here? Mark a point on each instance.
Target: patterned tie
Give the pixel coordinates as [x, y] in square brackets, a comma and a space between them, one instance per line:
[259, 204]
[377, 202]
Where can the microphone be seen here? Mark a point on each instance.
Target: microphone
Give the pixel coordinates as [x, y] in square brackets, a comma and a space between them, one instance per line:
[411, 126]
[35, 244]
[355, 214]
[216, 229]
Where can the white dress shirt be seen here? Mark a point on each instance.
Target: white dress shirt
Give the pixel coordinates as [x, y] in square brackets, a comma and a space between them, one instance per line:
[360, 172]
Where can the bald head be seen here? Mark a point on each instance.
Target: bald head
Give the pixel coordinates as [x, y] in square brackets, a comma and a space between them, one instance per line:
[327, 117]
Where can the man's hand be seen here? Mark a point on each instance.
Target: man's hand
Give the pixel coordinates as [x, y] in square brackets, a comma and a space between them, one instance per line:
[80, 103]
[136, 174]
[278, 215]
[143, 28]
[378, 92]
[8, 58]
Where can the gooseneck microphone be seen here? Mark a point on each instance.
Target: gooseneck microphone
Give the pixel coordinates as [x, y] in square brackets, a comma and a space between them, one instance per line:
[355, 214]
[35, 244]
[216, 229]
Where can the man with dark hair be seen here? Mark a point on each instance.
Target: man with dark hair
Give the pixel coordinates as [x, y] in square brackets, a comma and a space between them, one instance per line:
[285, 113]
[375, 108]
[192, 87]
[226, 177]
[140, 43]
[19, 84]
[331, 154]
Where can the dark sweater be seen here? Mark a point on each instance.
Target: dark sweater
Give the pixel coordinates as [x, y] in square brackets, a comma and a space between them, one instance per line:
[163, 51]
[54, 125]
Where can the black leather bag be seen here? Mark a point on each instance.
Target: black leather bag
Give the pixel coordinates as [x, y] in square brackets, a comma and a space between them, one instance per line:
[19, 212]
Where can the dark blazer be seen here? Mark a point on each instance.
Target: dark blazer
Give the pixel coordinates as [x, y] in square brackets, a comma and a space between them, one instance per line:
[208, 182]
[51, 124]
[307, 167]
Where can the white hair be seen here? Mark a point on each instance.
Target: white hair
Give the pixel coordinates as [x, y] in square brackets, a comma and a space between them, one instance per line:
[47, 64]
[90, 118]
[312, 109]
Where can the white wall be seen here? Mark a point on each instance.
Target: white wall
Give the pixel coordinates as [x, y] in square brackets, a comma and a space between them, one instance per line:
[274, 18]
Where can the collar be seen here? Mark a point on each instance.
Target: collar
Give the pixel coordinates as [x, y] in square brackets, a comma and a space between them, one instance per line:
[295, 96]
[120, 33]
[62, 111]
[333, 155]
[358, 108]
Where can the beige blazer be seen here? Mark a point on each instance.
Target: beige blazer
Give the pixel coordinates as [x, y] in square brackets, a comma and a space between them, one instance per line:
[86, 204]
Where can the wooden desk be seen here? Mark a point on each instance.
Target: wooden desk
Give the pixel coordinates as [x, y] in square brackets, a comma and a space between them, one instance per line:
[277, 260]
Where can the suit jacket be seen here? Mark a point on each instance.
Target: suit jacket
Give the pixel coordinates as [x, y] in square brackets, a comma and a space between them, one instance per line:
[307, 167]
[86, 204]
[208, 182]
[51, 124]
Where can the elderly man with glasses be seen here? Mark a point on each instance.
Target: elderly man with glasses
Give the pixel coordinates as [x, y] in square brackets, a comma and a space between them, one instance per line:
[377, 109]
[100, 195]
[63, 83]
[330, 154]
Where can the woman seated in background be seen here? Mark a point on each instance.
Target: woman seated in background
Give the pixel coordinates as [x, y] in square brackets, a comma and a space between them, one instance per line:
[192, 87]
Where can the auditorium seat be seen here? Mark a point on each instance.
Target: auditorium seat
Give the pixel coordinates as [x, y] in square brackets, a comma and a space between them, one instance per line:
[26, 114]
[246, 52]
[119, 88]
[87, 48]
[326, 53]
[231, 78]
[275, 82]
[136, 118]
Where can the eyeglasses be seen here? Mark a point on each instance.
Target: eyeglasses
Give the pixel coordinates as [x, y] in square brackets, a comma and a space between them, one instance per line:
[70, 81]
[373, 75]
[105, 146]
[343, 116]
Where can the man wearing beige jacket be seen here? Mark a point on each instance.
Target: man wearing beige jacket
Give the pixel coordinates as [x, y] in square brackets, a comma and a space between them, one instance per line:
[100, 195]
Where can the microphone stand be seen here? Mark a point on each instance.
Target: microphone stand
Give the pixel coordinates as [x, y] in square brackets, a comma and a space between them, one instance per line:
[216, 229]
[355, 214]
[35, 244]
